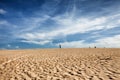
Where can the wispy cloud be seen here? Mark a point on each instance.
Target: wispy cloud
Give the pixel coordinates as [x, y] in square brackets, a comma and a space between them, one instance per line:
[3, 22]
[108, 42]
[68, 26]
[17, 47]
[2, 11]
[8, 45]
[30, 24]
[36, 42]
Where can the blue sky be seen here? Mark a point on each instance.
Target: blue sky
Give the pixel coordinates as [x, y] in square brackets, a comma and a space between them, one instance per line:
[48, 23]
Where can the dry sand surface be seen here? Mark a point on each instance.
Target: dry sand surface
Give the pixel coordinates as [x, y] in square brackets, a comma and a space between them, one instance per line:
[60, 64]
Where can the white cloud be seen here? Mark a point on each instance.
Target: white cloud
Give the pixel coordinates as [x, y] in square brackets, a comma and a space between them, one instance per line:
[71, 26]
[74, 44]
[37, 42]
[104, 42]
[109, 41]
[8, 45]
[68, 26]
[31, 23]
[7, 24]
[17, 47]
[3, 22]
[2, 11]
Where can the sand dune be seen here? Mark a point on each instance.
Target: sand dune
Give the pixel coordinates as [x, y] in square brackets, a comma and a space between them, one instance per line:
[60, 64]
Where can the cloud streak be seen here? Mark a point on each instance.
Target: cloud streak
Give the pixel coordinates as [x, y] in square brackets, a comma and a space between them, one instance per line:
[69, 26]
[2, 11]
[108, 42]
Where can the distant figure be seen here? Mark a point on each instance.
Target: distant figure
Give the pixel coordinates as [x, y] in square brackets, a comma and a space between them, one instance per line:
[59, 46]
[95, 47]
[89, 47]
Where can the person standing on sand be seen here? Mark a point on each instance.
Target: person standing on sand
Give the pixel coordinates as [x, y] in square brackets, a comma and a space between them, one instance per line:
[95, 47]
[59, 45]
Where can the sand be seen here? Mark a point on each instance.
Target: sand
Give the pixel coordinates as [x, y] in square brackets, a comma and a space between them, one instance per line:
[60, 64]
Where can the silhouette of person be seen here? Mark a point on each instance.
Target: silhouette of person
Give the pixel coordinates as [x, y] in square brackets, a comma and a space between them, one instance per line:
[59, 46]
[95, 47]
